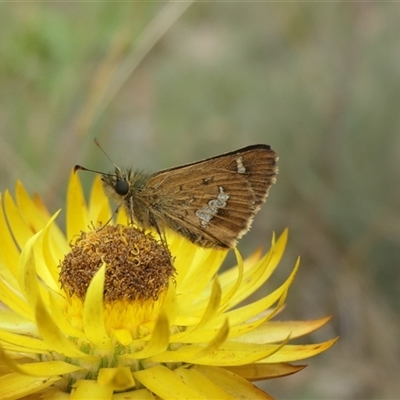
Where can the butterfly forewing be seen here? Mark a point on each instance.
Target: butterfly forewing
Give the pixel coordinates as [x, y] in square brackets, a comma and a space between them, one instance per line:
[212, 202]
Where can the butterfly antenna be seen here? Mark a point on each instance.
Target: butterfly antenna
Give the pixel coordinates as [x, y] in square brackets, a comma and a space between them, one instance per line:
[80, 168]
[104, 152]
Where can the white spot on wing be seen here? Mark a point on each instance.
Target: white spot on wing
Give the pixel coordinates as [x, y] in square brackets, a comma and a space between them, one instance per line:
[207, 213]
[240, 167]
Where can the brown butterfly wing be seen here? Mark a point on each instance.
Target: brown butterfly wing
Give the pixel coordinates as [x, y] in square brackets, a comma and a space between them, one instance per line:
[213, 202]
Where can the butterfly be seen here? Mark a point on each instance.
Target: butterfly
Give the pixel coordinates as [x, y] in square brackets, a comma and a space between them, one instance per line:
[210, 202]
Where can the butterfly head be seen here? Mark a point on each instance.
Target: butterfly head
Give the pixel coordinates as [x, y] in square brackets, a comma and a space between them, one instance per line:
[117, 185]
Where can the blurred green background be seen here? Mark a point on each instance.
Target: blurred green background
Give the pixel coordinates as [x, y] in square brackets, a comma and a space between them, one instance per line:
[162, 84]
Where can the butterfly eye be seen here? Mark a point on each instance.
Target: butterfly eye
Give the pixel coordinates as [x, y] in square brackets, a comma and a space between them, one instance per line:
[121, 187]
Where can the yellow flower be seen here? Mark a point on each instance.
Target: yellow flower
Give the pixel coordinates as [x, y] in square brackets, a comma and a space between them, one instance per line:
[105, 313]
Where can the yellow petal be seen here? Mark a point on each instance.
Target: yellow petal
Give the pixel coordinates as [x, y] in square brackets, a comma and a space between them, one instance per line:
[123, 336]
[99, 207]
[210, 311]
[170, 303]
[276, 331]
[57, 306]
[77, 213]
[189, 258]
[166, 384]
[185, 252]
[52, 335]
[12, 322]
[261, 371]
[116, 378]
[53, 250]
[122, 217]
[206, 334]
[230, 275]
[291, 353]
[253, 258]
[53, 393]
[28, 209]
[84, 390]
[204, 385]
[234, 385]
[40, 208]
[27, 278]
[14, 301]
[190, 353]
[49, 368]
[213, 304]
[238, 354]
[20, 349]
[18, 226]
[141, 394]
[9, 253]
[93, 312]
[255, 277]
[158, 341]
[241, 329]
[249, 311]
[230, 353]
[259, 271]
[184, 353]
[26, 343]
[216, 342]
[16, 386]
[34, 213]
[43, 368]
[190, 289]
[45, 267]
[40, 205]
[230, 293]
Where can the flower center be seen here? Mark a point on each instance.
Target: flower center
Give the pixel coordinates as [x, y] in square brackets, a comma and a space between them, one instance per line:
[137, 266]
